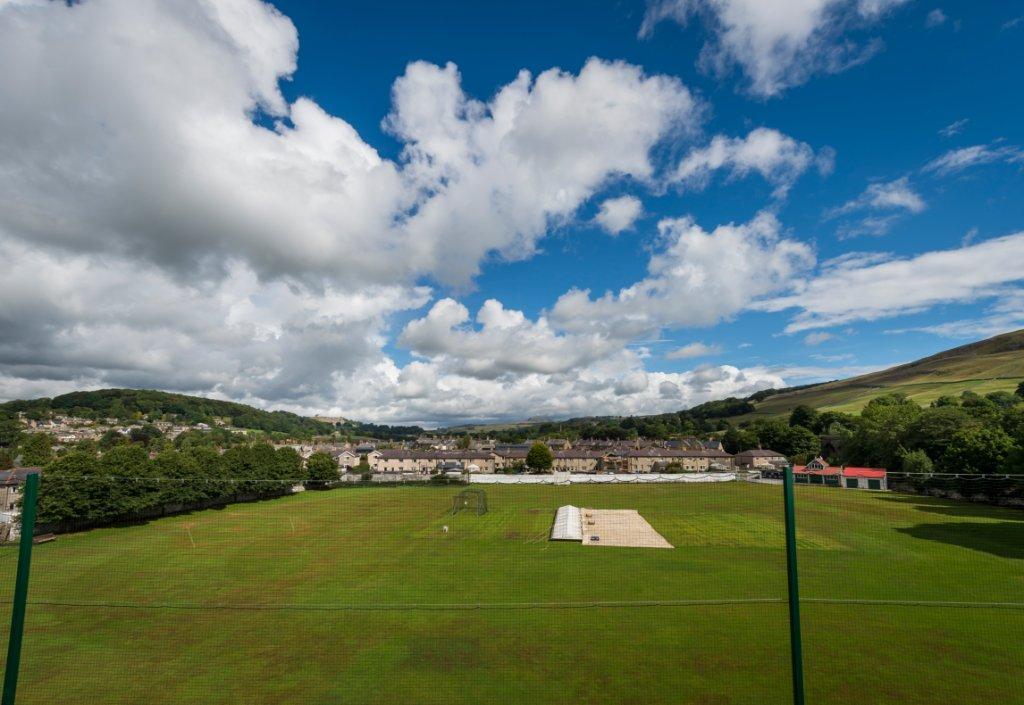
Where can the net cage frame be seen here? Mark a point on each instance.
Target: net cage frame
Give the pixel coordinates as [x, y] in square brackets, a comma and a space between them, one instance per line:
[470, 498]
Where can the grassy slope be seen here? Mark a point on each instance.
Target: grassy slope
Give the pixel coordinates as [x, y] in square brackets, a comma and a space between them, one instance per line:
[996, 364]
[368, 546]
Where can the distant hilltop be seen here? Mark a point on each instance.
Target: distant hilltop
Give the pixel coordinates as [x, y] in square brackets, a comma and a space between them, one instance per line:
[992, 365]
[154, 405]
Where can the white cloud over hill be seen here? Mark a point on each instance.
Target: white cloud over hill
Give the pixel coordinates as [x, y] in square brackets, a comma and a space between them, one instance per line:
[170, 219]
[867, 287]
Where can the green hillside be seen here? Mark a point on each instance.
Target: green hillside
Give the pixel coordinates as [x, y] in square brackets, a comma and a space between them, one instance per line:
[992, 365]
[129, 404]
[151, 404]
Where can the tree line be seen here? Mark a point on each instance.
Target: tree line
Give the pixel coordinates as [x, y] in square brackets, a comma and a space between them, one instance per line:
[967, 434]
[84, 489]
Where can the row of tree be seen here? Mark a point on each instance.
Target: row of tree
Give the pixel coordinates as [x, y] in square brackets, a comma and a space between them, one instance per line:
[966, 434]
[702, 419]
[81, 488]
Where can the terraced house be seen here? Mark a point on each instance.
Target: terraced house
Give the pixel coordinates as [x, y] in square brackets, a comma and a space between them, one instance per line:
[431, 461]
[577, 460]
[659, 459]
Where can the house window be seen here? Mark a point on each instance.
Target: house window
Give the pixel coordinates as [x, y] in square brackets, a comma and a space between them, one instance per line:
[874, 484]
[851, 483]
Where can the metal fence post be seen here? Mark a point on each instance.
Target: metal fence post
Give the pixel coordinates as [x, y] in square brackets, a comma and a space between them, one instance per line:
[795, 643]
[28, 525]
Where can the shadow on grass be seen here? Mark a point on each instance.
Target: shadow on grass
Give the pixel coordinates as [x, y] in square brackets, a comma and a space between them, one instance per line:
[955, 508]
[1004, 539]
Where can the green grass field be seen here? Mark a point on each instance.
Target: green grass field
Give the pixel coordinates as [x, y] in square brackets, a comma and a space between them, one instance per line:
[245, 604]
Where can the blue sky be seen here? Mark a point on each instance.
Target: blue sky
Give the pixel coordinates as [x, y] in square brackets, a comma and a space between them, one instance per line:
[276, 203]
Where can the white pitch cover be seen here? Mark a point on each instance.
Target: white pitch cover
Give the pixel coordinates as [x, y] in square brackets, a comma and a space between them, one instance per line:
[568, 524]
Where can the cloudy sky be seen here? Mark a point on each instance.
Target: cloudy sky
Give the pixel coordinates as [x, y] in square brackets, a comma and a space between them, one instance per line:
[433, 212]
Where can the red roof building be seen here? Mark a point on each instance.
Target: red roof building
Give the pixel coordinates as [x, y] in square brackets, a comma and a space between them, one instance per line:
[819, 472]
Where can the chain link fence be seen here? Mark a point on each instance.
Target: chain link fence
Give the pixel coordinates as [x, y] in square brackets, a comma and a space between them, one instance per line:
[225, 591]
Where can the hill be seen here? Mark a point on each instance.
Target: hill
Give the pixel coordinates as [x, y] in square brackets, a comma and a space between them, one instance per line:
[128, 404]
[992, 365]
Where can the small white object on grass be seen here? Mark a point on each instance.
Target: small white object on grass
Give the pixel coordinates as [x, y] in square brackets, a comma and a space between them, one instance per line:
[444, 528]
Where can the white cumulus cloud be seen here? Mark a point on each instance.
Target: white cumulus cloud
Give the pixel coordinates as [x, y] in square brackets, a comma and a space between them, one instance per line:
[618, 214]
[885, 202]
[698, 278]
[778, 158]
[697, 349]
[874, 286]
[777, 44]
[505, 342]
[164, 162]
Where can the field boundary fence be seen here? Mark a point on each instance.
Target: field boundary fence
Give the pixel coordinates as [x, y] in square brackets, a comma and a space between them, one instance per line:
[1005, 490]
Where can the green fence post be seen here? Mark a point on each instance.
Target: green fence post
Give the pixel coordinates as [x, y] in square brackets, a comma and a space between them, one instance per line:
[795, 643]
[28, 525]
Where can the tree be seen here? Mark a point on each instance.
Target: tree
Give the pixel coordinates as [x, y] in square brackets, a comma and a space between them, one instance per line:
[1004, 400]
[1013, 424]
[833, 422]
[539, 458]
[800, 444]
[1020, 389]
[979, 450]
[68, 494]
[878, 437]
[118, 410]
[933, 430]
[465, 442]
[178, 482]
[288, 465]
[803, 415]
[917, 461]
[88, 445]
[771, 433]
[37, 450]
[10, 430]
[145, 434]
[112, 438]
[978, 406]
[736, 440]
[124, 477]
[322, 470]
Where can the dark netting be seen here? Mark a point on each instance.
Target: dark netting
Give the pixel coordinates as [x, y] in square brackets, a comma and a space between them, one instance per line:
[377, 593]
[441, 592]
[914, 595]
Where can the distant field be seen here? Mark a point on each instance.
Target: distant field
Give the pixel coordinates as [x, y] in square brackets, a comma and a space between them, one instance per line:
[853, 399]
[992, 365]
[491, 612]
